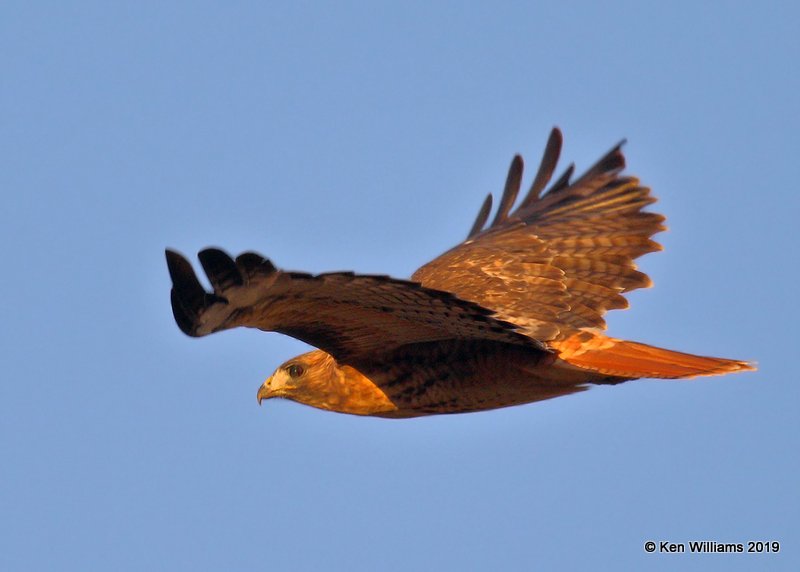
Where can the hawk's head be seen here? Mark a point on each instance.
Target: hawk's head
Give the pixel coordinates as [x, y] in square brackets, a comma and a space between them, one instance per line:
[315, 379]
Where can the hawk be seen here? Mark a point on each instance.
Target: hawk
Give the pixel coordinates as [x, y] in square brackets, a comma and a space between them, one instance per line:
[512, 315]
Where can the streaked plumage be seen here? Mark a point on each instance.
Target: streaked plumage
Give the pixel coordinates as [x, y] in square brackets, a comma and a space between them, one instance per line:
[512, 315]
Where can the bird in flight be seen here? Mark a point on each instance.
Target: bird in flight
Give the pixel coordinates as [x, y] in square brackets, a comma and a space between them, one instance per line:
[512, 315]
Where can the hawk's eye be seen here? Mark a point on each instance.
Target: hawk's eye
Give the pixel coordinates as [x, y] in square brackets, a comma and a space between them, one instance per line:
[295, 370]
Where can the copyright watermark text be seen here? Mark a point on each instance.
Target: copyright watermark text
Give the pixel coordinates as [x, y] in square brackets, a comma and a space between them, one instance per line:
[712, 547]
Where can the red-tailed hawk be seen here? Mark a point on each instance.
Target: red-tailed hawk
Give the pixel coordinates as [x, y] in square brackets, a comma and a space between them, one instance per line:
[512, 315]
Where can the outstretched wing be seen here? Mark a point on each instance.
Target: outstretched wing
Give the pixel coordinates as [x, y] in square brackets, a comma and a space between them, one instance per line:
[562, 258]
[346, 315]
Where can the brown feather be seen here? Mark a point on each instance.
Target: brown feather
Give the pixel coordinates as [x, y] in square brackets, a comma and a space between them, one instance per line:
[482, 217]
[546, 168]
[513, 183]
[563, 181]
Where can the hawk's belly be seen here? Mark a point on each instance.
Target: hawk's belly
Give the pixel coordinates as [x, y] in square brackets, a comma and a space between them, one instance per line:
[463, 376]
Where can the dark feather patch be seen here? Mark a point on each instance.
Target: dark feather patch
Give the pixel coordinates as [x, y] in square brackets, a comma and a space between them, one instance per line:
[220, 268]
[188, 297]
[250, 263]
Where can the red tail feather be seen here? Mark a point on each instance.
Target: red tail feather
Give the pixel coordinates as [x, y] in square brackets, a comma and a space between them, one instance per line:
[632, 359]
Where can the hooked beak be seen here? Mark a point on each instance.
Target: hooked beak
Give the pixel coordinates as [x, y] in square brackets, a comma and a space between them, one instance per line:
[264, 392]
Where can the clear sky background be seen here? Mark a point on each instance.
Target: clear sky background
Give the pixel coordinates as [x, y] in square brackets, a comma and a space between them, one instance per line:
[365, 136]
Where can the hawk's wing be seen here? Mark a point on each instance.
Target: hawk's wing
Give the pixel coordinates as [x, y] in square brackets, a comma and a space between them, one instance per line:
[347, 315]
[558, 262]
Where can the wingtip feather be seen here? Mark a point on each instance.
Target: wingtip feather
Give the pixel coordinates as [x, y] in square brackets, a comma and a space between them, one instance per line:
[220, 268]
[187, 296]
[510, 191]
[483, 216]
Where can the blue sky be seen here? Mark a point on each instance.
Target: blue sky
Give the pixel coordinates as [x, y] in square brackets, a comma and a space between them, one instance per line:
[342, 136]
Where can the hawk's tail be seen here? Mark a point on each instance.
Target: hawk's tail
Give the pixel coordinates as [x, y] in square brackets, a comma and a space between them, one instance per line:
[632, 359]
